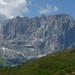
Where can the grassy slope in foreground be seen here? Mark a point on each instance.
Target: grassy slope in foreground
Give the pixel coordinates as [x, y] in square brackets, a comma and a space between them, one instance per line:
[58, 63]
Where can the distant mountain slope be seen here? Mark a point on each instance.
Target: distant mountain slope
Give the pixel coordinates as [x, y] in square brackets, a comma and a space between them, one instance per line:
[59, 63]
[24, 38]
[3, 62]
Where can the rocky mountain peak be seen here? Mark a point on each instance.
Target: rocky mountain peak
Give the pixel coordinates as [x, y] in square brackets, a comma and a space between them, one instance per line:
[31, 37]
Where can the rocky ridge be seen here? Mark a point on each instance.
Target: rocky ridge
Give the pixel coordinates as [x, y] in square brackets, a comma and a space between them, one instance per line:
[24, 38]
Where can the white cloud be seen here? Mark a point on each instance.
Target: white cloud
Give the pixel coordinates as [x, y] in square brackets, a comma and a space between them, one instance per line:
[48, 9]
[12, 8]
[2, 2]
[55, 8]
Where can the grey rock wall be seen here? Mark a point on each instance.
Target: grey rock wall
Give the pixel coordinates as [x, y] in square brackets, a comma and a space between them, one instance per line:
[32, 37]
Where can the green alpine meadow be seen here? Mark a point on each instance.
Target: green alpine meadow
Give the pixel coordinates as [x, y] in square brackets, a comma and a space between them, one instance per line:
[58, 63]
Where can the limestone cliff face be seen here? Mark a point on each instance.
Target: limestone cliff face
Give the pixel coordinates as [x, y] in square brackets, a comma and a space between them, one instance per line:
[38, 35]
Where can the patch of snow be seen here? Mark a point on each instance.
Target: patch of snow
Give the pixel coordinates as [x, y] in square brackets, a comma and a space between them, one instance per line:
[12, 51]
[3, 57]
[41, 55]
[47, 26]
[13, 65]
[42, 26]
[3, 48]
[28, 44]
[54, 35]
[32, 49]
[18, 52]
[30, 57]
[23, 55]
[41, 40]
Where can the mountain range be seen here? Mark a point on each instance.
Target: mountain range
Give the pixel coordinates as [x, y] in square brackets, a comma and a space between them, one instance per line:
[23, 38]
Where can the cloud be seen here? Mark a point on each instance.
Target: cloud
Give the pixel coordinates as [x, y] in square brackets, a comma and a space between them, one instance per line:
[48, 9]
[12, 8]
[55, 8]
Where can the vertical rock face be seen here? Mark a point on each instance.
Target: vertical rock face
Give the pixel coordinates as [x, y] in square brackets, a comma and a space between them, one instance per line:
[31, 37]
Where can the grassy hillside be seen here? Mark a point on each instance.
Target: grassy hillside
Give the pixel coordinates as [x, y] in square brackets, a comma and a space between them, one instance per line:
[58, 63]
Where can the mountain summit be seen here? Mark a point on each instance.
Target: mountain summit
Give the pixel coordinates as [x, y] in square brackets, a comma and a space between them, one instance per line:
[23, 38]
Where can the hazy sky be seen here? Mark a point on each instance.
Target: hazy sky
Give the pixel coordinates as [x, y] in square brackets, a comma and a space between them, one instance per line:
[32, 8]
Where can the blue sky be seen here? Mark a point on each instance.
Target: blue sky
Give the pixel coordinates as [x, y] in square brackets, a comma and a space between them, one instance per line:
[31, 8]
[64, 6]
